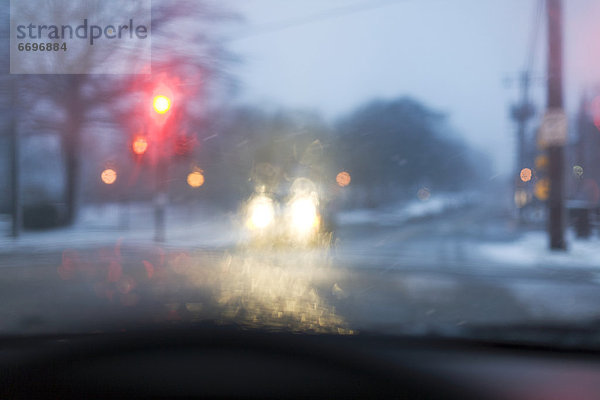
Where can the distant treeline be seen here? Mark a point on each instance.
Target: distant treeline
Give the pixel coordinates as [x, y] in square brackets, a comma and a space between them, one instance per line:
[391, 149]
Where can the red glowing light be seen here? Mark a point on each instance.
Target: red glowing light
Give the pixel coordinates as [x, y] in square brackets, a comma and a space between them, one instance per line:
[595, 111]
[161, 104]
[139, 145]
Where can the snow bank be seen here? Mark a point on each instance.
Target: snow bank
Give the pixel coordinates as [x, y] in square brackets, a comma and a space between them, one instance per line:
[531, 249]
[435, 205]
[101, 225]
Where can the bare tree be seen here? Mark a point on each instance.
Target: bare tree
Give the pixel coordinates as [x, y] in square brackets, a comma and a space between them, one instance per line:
[182, 47]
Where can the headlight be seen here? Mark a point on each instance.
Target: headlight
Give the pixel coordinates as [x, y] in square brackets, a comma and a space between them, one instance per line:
[261, 213]
[304, 216]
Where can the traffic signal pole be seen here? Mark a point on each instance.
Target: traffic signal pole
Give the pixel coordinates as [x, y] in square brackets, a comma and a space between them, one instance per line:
[556, 214]
[161, 104]
[160, 200]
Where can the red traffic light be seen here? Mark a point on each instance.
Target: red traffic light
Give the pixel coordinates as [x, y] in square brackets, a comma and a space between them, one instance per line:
[139, 145]
[161, 104]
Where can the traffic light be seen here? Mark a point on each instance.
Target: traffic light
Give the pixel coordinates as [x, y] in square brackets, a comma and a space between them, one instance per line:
[139, 145]
[161, 104]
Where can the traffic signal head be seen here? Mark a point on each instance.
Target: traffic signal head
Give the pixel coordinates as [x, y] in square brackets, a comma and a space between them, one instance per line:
[139, 145]
[161, 104]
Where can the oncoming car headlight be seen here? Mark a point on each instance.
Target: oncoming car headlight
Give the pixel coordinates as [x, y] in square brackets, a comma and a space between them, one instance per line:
[261, 213]
[304, 217]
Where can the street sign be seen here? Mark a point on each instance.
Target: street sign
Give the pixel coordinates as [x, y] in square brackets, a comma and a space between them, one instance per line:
[553, 129]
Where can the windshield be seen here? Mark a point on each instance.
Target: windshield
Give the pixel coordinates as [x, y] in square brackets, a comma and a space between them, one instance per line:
[340, 166]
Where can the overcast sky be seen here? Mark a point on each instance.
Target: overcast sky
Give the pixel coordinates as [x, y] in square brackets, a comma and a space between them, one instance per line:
[453, 55]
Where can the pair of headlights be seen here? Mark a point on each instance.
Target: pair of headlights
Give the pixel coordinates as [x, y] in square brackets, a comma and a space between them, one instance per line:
[300, 215]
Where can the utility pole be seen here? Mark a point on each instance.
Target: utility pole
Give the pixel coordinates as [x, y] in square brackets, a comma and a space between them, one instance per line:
[160, 200]
[521, 114]
[557, 124]
[161, 104]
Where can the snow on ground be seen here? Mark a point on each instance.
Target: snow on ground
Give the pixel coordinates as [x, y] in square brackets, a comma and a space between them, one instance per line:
[190, 225]
[531, 250]
[551, 300]
[131, 223]
[435, 205]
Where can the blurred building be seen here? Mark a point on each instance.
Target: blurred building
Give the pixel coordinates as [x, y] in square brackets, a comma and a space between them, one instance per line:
[582, 168]
[584, 152]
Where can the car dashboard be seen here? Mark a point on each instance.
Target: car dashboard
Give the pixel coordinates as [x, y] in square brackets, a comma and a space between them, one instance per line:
[234, 362]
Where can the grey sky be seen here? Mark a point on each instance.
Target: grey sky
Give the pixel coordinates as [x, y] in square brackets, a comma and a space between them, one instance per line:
[453, 55]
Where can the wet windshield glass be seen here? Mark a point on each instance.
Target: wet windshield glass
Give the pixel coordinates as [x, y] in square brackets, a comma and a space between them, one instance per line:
[404, 167]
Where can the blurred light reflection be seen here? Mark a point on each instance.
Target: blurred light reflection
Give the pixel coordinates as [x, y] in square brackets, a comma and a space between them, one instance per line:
[195, 179]
[526, 174]
[343, 179]
[261, 212]
[108, 176]
[424, 194]
[265, 289]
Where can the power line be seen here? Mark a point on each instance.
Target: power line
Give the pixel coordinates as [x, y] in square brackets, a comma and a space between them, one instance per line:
[321, 16]
[537, 22]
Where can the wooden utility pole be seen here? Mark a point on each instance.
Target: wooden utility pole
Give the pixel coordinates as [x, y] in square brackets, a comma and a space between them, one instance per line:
[556, 213]
[521, 114]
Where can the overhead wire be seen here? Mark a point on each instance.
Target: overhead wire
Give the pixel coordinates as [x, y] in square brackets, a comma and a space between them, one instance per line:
[317, 17]
[530, 57]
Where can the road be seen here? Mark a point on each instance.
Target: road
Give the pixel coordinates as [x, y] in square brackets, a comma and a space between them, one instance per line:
[422, 276]
[435, 266]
